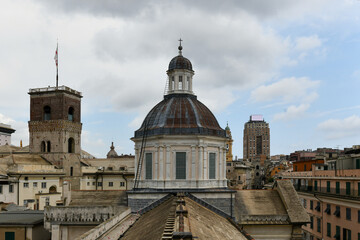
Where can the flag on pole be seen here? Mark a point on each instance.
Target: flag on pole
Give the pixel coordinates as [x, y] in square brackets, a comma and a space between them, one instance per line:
[56, 55]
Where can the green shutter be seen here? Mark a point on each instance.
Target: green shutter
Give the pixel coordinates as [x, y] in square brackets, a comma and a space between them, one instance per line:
[9, 235]
[328, 232]
[180, 165]
[315, 188]
[148, 166]
[337, 187]
[212, 166]
[358, 188]
[328, 186]
[347, 188]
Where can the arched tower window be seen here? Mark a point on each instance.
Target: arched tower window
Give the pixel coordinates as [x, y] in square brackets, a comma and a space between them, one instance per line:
[71, 171]
[172, 83]
[71, 114]
[47, 113]
[71, 145]
[52, 189]
[48, 147]
[180, 83]
[43, 146]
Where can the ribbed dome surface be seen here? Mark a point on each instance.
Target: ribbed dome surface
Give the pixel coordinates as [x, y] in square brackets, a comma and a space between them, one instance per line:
[180, 62]
[180, 114]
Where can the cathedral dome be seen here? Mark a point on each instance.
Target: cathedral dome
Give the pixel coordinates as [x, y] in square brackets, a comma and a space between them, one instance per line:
[180, 114]
[180, 62]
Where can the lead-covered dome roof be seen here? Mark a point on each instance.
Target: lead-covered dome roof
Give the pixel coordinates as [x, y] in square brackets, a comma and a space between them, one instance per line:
[180, 114]
[180, 62]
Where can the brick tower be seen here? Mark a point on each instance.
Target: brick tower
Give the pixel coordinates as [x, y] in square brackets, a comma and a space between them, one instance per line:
[55, 126]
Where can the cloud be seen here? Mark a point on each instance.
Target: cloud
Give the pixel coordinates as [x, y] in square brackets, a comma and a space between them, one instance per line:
[293, 112]
[307, 43]
[287, 90]
[341, 128]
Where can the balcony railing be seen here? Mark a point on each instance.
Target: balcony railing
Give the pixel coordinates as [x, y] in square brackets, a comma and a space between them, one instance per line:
[337, 192]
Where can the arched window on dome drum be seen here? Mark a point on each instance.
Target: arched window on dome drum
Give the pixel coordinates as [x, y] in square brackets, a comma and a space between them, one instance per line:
[48, 147]
[172, 83]
[187, 87]
[71, 114]
[212, 169]
[71, 145]
[148, 166]
[43, 146]
[180, 83]
[180, 165]
[47, 113]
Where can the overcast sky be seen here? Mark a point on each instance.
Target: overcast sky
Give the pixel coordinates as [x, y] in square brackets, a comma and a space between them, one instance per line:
[295, 62]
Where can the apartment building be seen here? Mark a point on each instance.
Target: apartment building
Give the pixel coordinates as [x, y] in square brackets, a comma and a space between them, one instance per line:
[331, 197]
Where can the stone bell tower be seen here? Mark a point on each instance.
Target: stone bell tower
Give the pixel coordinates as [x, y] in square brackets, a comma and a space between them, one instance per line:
[55, 126]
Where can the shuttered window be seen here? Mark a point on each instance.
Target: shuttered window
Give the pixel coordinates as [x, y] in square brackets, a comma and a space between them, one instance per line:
[180, 165]
[212, 165]
[148, 166]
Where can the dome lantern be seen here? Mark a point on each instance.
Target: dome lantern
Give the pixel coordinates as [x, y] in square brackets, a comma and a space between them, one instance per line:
[180, 74]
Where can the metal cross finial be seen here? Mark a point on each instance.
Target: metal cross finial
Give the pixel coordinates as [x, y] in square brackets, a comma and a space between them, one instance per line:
[180, 40]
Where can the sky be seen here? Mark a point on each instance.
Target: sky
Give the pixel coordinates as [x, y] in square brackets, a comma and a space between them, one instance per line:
[295, 62]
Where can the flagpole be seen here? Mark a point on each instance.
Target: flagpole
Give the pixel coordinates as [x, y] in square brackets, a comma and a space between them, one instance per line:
[57, 65]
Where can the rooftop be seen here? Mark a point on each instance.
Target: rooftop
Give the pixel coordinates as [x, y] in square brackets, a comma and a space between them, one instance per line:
[21, 218]
[54, 89]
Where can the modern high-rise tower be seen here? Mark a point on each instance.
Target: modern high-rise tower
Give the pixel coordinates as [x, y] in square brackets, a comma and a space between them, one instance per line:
[256, 138]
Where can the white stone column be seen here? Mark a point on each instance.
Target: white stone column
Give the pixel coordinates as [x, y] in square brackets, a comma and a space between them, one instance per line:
[200, 163]
[156, 168]
[224, 164]
[219, 160]
[168, 163]
[206, 172]
[193, 163]
[161, 163]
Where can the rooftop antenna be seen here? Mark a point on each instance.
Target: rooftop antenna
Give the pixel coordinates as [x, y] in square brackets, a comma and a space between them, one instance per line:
[56, 62]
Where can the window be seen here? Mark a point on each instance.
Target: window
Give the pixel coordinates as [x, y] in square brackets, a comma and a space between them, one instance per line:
[328, 209]
[311, 204]
[317, 208]
[337, 211]
[47, 113]
[71, 171]
[337, 234]
[347, 188]
[11, 188]
[311, 222]
[71, 114]
[239, 178]
[99, 184]
[304, 167]
[172, 83]
[122, 184]
[180, 165]
[295, 168]
[47, 201]
[48, 149]
[43, 185]
[305, 201]
[9, 235]
[43, 146]
[110, 184]
[35, 184]
[187, 87]
[1, 189]
[328, 229]
[212, 165]
[26, 178]
[358, 188]
[316, 186]
[346, 234]
[88, 183]
[328, 186]
[93, 183]
[180, 83]
[357, 164]
[358, 216]
[26, 185]
[148, 166]
[318, 224]
[348, 213]
[71, 145]
[337, 187]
